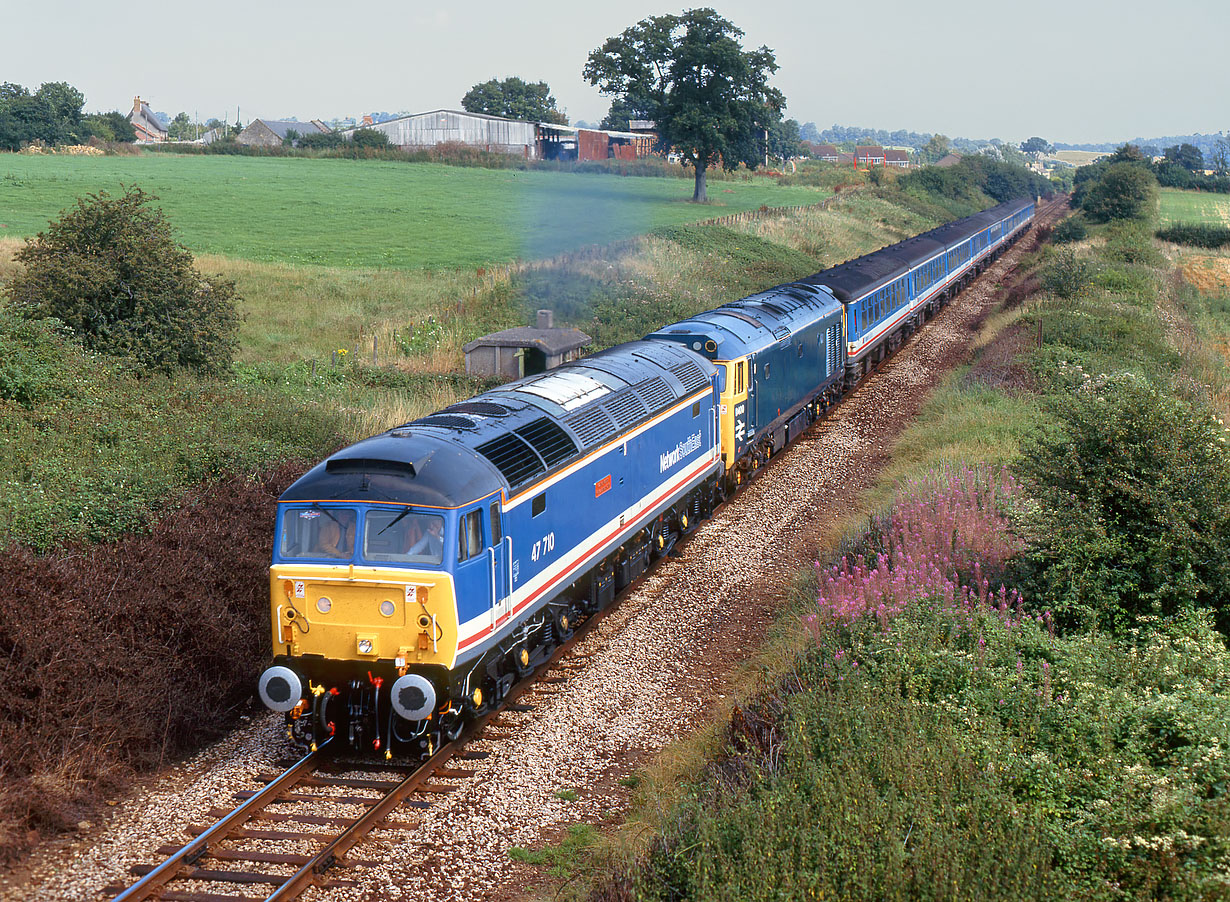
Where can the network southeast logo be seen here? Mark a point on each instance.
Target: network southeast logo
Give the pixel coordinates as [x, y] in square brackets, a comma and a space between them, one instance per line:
[682, 450]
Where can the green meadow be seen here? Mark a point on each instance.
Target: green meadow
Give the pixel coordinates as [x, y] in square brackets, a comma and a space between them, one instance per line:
[374, 214]
[1198, 207]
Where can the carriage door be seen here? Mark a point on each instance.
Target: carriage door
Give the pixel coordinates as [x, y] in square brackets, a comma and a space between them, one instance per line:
[498, 557]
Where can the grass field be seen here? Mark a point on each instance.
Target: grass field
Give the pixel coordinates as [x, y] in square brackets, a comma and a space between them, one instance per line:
[374, 214]
[1180, 206]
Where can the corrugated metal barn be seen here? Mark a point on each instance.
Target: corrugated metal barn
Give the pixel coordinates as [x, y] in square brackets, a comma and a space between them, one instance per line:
[424, 130]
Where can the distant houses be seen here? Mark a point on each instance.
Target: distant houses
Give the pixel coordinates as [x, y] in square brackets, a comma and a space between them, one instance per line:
[149, 130]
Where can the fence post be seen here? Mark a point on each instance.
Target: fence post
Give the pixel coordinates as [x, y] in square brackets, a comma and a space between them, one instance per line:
[375, 345]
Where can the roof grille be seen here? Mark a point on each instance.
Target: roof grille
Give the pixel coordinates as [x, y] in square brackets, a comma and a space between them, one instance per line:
[447, 421]
[592, 426]
[655, 393]
[480, 408]
[692, 376]
[549, 440]
[512, 457]
[626, 408]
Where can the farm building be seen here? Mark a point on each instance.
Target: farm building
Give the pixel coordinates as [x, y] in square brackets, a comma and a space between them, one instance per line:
[532, 140]
[273, 132]
[426, 130]
[149, 130]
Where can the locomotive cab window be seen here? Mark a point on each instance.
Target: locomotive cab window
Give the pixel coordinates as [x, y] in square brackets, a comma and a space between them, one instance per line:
[404, 536]
[318, 533]
[470, 535]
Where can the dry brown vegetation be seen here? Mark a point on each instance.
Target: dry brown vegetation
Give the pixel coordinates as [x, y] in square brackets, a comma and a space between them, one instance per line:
[118, 657]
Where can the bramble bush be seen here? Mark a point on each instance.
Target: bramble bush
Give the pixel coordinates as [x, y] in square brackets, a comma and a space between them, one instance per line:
[111, 271]
[1132, 511]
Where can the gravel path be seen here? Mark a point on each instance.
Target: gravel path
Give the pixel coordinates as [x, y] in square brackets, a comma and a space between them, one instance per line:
[642, 679]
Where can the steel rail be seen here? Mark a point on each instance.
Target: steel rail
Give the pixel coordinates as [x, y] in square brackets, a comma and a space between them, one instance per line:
[193, 851]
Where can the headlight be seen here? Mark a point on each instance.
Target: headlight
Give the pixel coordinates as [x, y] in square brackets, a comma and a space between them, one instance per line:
[365, 646]
[387, 608]
[324, 605]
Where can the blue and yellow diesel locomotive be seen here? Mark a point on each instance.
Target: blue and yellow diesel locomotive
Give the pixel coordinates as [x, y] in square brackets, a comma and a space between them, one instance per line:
[418, 573]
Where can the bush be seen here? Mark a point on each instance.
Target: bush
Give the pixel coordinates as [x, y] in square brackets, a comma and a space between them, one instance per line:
[1133, 507]
[1071, 229]
[1196, 235]
[112, 272]
[1067, 274]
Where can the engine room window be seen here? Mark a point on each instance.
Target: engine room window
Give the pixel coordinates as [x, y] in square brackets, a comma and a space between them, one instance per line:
[696, 410]
[739, 378]
[766, 372]
[538, 505]
[470, 536]
[401, 535]
[318, 533]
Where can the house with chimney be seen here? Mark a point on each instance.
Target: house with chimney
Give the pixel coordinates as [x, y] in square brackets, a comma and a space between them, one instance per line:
[149, 130]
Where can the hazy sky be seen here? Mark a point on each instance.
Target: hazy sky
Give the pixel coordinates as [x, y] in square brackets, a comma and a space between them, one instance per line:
[1068, 70]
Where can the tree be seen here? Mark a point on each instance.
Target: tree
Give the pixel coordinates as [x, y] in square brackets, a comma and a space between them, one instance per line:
[369, 137]
[111, 270]
[936, 148]
[709, 98]
[1125, 191]
[1186, 155]
[64, 103]
[1036, 146]
[784, 140]
[113, 126]
[515, 99]
[619, 117]
[1219, 158]
[181, 128]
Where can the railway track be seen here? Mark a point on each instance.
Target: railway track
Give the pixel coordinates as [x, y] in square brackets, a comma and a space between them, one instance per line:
[218, 862]
[196, 871]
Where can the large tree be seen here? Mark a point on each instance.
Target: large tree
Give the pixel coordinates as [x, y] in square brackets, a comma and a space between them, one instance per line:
[710, 98]
[514, 98]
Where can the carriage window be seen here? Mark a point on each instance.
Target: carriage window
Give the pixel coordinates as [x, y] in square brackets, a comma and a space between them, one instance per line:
[470, 536]
[538, 505]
